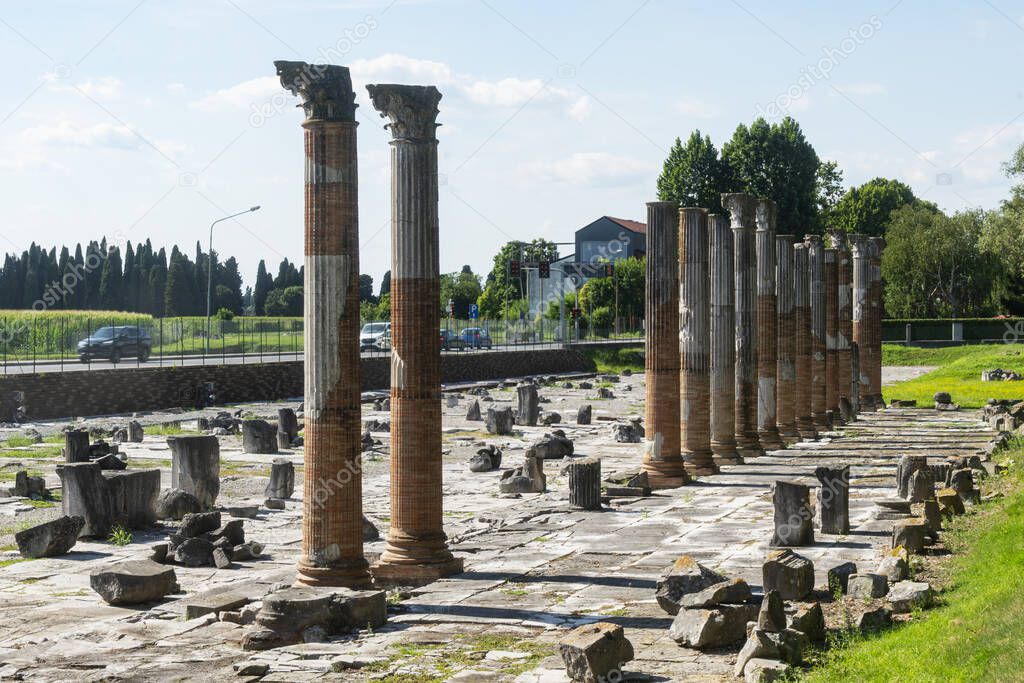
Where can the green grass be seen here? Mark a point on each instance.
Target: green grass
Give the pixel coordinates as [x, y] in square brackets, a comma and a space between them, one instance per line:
[32, 453]
[18, 441]
[958, 372]
[616, 360]
[978, 633]
[16, 560]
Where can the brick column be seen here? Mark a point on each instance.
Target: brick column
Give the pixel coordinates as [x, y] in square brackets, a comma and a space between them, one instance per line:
[785, 386]
[861, 282]
[695, 342]
[723, 344]
[767, 327]
[332, 513]
[832, 336]
[416, 551]
[741, 208]
[816, 274]
[845, 317]
[662, 459]
[804, 359]
[873, 350]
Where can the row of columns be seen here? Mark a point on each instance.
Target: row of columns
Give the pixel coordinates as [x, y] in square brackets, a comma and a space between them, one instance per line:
[332, 547]
[768, 332]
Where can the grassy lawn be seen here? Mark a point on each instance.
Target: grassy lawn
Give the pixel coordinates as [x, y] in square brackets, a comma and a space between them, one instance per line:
[977, 634]
[958, 372]
[617, 360]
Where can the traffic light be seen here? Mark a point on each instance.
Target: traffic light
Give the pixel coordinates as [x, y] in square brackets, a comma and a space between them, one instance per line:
[609, 270]
[544, 270]
[575, 313]
[515, 268]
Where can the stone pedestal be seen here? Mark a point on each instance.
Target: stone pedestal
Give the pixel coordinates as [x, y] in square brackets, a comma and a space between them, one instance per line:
[785, 384]
[416, 550]
[816, 275]
[76, 445]
[195, 467]
[803, 357]
[585, 483]
[662, 459]
[834, 499]
[259, 436]
[793, 515]
[282, 479]
[332, 534]
[126, 498]
[741, 208]
[528, 406]
[767, 328]
[287, 427]
[723, 343]
[694, 343]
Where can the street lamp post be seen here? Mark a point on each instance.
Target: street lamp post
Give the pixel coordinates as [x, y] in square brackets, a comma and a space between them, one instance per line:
[209, 269]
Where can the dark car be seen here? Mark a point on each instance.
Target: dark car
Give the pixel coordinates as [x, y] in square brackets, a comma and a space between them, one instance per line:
[114, 343]
[450, 341]
[476, 338]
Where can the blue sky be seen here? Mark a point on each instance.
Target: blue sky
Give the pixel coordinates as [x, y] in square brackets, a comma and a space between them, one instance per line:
[150, 119]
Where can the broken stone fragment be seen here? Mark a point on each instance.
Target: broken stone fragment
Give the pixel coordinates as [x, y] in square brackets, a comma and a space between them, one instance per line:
[950, 502]
[286, 614]
[244, 511]
[370, 531]
[551, 418]
[221, 560]
[274, 504]
[553, 446]
[764, 671]
[233, 531]
[906, 596]
[244, 552]
[110, 462]
[529, 478]
[282, 479]
[584, 414]
[839, 575]
[719, 626]
[810, 621]
[49, 539]
[868, 586]
[473, 412]
[874, 620]
[133, 582]
[758, 646]
[29, 487]
[175, 504]
[486, 459]
[686, 576]
[790, 574]
[595, 652]
[627, 432]
[198, 523]
[772, 615]
[733, 591]
[499, 421]
[794, 515]
[194, 552]
[894, 567]
[912, 534]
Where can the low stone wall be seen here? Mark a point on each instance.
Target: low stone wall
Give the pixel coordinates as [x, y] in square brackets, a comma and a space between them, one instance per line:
[100, 392]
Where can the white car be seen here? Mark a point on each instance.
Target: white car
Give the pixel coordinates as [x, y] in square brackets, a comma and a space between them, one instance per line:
[371, 334]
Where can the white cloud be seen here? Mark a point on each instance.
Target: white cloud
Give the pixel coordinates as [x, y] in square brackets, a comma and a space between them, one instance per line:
[103, 88]
[580, 109]
[696, 109]
[594, 169]
[861, 89]
[512, 92]
[241, 96]
[70, 134]
[400, 67]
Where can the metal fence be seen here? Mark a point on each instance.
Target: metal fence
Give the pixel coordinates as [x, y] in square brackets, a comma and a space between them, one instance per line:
[56, 344]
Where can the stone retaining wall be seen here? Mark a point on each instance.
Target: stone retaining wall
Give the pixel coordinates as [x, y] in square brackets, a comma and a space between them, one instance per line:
[101, 392]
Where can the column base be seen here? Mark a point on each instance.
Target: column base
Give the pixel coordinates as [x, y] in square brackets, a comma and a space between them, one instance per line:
[822, 422]
[386, 574]
[835, 418]
[750, 452]
[879, 402]
[725, 453]
[666, 474]
[660, 482]
[790, 434]
[699, 463]
[770, 440]
[355, 575]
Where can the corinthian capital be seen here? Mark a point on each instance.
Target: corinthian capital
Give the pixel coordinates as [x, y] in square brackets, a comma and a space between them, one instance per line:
[858, 244]
[767, 212]
[741, 208]
[412, 110]
[325, 89]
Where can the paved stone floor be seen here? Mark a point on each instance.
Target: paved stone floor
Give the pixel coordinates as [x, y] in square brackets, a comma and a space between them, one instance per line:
[534, 567]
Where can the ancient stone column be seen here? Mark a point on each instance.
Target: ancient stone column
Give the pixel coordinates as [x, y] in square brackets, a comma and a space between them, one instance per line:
[785, 384]
[723, 343]
[831, 336]
[871, 352]
[741, 208]
[859, 246]
[767, 327]
[416, 551]
[695, 342]
[803, 358]
[332, 528]
[816, 275]
[662, 459]
[844, 329]
[834, 499]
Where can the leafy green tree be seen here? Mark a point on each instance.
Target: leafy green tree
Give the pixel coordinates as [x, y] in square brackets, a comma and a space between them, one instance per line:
[111, 284]
[693, 175]
[829, 189]
[776, 161]
[933, 265]
[264, 283]
[500, 286]
[866, 209]
[284, 302]
[385, 285]
[178, 294]
[366, 288]
[462, 288]
[628, 282]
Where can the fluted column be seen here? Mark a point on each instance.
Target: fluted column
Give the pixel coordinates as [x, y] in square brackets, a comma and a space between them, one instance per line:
[861, 282]
[695, 342]
[723, 343]
[804, 359]
[832, 335]
[662, 460]
[873, 350]
[332, 514]
[767, 327]
[844, 308]
[785, 384]
[741, 208]
[816, 273]
[416, 549]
